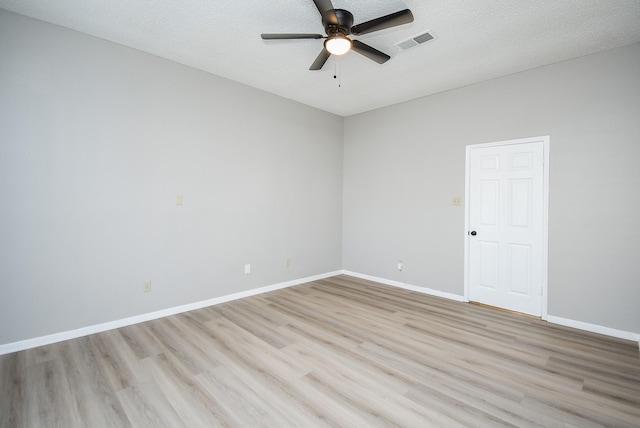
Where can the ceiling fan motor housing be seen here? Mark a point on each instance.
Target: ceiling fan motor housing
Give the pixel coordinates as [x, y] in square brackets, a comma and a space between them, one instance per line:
[343, 26]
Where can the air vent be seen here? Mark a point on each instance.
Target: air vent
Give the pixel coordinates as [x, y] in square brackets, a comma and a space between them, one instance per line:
[414, 41]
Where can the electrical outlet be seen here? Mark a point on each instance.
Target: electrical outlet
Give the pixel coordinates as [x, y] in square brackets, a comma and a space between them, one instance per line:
[457, 202]
[399, 264]
[146, 287]
[287, 263]
[179, 200]
[247, 268]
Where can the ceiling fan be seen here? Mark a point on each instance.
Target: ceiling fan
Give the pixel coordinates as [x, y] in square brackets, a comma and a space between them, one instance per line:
[338, 24]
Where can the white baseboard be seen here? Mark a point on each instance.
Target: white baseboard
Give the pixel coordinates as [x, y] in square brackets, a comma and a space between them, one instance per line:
[594, 328]
[552, 319]
[398, 284]
[98, 328]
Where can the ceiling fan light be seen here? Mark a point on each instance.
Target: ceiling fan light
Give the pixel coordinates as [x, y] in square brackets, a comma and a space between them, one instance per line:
[337, 45]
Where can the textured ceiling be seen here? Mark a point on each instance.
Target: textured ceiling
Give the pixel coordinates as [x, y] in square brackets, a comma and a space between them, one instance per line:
[474, 41]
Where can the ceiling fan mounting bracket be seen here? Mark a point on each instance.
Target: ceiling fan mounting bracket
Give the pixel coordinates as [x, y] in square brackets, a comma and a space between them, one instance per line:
[344, 24]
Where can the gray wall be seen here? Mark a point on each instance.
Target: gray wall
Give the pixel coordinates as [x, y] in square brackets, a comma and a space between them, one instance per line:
[404, 164]
[96, 142]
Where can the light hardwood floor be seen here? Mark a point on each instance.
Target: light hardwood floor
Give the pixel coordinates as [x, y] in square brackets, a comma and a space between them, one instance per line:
[339, 352]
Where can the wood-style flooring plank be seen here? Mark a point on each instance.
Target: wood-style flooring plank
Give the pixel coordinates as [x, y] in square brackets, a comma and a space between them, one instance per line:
[146, 406]
[246, 406]
[90, 389]
[188, 398]
[13, 400]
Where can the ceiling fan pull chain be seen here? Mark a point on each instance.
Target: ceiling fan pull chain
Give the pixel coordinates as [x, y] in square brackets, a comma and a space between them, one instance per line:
[336, 72]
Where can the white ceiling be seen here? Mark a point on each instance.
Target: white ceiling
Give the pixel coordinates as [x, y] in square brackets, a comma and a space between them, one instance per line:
[475, 41]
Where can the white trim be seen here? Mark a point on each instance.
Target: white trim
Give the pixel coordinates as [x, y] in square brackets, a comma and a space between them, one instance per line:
[607, 331]
[467, 213]
[398, 284]
[98, 328]
[545, 224]
[545, 213]
[594, 328]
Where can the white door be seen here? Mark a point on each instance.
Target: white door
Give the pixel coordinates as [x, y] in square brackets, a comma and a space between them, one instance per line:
[506, 264]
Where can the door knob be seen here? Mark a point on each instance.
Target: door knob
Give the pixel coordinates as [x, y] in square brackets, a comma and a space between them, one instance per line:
[473, 233]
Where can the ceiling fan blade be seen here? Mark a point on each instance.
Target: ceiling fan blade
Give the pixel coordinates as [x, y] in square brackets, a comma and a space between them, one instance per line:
[320, 60]
[290, 36]
[369, 52]
[387, 21]
[325, 7]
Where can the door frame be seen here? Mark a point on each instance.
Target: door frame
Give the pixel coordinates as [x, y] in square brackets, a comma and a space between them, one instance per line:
[545, 212]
